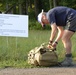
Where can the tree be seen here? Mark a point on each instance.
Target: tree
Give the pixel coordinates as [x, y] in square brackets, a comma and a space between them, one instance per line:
[55, 3]
[50, 3]
[36, 3]
[26, 6]
[20, 6]
[30, 3]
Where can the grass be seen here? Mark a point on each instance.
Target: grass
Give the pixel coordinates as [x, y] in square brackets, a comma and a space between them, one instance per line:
[14, 50]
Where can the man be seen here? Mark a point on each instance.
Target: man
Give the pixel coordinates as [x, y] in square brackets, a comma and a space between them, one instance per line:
[58, 18]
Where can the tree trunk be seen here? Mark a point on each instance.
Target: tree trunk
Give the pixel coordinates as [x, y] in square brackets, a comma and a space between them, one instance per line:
[30, 4]
[36, 3]
[20, 7]
[26, 6]
[14, 9]
[55, 3]
[7, 5]
[50, 3]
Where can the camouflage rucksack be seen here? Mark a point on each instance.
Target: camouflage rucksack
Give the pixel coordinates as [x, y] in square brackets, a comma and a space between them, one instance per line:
[42, 56]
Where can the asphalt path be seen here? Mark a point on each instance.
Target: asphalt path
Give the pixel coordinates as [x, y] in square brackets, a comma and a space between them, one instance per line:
[39, 71]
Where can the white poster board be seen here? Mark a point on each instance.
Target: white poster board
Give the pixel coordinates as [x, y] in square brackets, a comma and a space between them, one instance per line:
[13, 25]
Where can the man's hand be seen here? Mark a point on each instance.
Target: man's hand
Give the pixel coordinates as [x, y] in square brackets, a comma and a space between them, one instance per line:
[55, 44]
[52, 46]
[50, 42]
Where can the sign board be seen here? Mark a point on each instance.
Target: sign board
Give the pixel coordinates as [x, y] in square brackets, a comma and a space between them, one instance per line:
[13, 25]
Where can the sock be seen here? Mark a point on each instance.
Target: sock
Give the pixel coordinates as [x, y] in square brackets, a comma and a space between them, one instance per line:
[68, 55]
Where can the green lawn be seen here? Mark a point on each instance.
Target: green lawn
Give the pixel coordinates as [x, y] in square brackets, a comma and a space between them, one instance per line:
[14, 50]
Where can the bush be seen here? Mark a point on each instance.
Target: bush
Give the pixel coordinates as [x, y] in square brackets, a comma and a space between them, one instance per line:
[33, 24]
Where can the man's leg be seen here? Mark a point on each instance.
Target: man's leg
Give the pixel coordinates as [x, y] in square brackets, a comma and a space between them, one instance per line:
[66, 39]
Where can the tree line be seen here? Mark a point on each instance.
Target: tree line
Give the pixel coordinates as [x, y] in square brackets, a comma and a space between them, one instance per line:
[32, 7]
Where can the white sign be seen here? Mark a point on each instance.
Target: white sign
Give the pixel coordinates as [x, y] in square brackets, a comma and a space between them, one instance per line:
[13, 25]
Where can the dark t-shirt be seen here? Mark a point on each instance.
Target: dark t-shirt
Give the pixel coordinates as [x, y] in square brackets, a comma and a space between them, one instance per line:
[59, 15]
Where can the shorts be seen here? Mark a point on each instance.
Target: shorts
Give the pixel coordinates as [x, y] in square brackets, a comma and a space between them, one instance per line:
[71, 23]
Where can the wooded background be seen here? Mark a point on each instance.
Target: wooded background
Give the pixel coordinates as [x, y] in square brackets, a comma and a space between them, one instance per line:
[32, 7]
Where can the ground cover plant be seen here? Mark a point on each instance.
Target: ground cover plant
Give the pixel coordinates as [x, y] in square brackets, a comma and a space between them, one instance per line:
[14, 50]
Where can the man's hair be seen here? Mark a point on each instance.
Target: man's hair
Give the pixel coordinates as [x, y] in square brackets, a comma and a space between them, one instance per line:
[44, 13]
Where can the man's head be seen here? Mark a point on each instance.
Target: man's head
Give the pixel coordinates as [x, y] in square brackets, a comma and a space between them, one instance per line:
[42, 18]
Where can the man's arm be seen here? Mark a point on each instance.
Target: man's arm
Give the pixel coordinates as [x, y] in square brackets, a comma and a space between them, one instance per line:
[59, 36]
[60, 33]
[53, 31]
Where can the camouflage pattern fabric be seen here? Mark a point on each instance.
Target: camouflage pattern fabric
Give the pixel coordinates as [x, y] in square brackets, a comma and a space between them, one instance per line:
[42, 56]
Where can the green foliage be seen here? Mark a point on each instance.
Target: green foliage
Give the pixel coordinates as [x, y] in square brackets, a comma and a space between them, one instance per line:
[45, 5]
[31, 14]
[35, 25]
[68, 3]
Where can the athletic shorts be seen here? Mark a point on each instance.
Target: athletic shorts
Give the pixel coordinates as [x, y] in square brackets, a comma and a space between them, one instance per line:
[71, 23]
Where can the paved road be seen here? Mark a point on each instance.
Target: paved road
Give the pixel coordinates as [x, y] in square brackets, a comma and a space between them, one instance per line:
[39, 71]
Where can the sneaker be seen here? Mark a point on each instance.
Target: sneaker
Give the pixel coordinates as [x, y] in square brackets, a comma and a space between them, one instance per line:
[67, 62]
